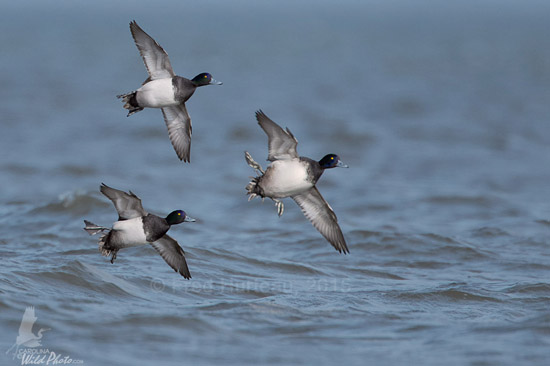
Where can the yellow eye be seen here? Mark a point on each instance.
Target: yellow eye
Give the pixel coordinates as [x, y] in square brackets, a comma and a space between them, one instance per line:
[179, 213]
[205, 76]
[332, 158]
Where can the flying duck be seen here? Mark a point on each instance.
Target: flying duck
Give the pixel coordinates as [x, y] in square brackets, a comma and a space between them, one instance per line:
[137, 227]
[165, 90]
[291, 175]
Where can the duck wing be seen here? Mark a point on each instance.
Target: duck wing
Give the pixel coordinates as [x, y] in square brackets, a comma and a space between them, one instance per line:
[171, 252]
[281, 143]
[319, 212]
[179, 127]
[128, 205]
[155, 58]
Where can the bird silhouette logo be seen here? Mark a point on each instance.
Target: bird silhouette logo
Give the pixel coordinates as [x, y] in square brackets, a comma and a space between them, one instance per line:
[26, 337]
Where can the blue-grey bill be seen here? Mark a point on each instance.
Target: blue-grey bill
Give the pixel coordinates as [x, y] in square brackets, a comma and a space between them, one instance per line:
[189, 219]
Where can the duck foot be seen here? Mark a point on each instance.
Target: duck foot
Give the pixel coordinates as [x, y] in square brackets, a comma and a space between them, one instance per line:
[280, 207]
[252, 163]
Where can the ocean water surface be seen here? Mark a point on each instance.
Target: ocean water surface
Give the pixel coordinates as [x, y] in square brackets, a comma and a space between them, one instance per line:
[441, 112]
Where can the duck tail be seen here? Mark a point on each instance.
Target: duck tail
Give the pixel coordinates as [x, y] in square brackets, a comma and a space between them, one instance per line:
[130, 102]
[105, 247]
[253, 189]
[92, 228]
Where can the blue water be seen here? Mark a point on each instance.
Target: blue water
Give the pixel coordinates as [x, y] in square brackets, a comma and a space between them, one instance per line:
[441, 112]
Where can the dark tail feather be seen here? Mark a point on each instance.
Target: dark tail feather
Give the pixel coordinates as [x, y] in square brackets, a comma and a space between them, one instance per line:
[253, 189]
[130, 102]
[105, 247]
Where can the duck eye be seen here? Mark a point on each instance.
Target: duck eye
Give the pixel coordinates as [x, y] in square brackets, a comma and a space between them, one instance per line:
[179, 213]
[205, 76]
[332, 158]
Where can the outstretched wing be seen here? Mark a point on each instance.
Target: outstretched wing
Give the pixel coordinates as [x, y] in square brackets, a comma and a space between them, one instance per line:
[25, 329]
[128, 205]
[171, 252]
[319, 212]
[155, 58]
[281, 143]
[179, 127]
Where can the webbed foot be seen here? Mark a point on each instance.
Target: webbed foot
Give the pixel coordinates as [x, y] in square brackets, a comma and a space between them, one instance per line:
[252, 163]
[280, 207]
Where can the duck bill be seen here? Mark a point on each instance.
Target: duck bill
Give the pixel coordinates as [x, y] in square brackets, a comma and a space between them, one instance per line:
[189, 219]
[340, 164]
[215, 82]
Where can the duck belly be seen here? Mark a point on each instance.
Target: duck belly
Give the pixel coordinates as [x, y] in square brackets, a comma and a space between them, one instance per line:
[128, 233]
[156, 94]
[285, 178]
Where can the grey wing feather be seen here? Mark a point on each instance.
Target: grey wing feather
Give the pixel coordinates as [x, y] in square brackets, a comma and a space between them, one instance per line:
[281, 143]
[179, 127]
[128, 205]
[319, 212]
[155, 58]
[171, 252]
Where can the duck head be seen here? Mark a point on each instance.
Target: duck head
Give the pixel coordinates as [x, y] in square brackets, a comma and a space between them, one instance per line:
[331, 161]
[205, 79]
[177, 217]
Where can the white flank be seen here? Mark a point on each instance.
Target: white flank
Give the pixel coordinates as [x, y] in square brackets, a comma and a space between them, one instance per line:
[286, 178]
[132, 231]
[156, 94]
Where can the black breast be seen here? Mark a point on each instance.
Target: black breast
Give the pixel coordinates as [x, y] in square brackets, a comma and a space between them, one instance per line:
[183, 88]
[314, 170]
[154, 227]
